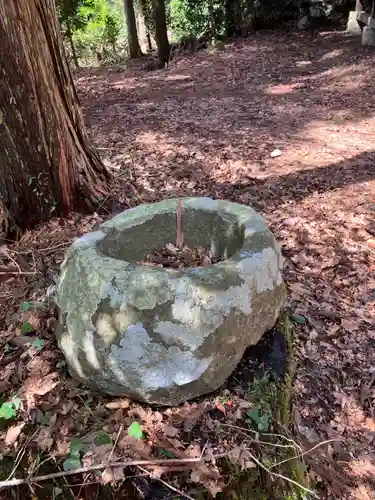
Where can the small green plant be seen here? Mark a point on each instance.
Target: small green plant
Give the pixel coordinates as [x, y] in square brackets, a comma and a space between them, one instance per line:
[37, 343]
[165, 453]
[135, 431]
[26, 328]
[6, 348]
[74, 459]
[260, 420]
[299, 319]
[25, 306]
[102, 438]
[8, 410]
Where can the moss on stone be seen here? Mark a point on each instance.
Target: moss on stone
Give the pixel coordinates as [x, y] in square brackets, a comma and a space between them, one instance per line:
[273, 398]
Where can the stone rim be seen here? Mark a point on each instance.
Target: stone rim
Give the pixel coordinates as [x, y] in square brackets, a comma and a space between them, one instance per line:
[252, 222]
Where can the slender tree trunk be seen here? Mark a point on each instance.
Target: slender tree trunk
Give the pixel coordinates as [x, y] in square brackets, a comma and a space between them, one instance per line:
[46, 163]
[72, 48]
[161, 35]
[142, 30]
[230, 23]
[212, 21]
[134, 47]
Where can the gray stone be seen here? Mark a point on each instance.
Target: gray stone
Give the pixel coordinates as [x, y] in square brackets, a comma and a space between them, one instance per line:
[368, 36]
[315, 11]
[166, 336]
[303, 23]
[353, 26]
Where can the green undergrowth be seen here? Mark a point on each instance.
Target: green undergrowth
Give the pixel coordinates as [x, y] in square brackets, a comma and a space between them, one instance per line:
[271, 420]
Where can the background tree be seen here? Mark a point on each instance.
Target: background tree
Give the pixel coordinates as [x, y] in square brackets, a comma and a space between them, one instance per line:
[141, 27]
[47, 165]
[93, 29]
[161, 35]
[134, 47]
[70, 20]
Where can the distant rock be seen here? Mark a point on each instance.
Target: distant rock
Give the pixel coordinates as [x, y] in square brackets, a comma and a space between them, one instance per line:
[303, 23]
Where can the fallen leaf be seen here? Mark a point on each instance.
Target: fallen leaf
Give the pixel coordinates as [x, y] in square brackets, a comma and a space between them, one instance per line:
[176, 443]
[291, 221]
[194, 450]
[350, 324]
[301, 259]
[135, 431]
[119, 403]
[220, 407]
[44, 439]
[298, 289]
[12, 433]
[170, 431]
[242, 457]
[112, 475]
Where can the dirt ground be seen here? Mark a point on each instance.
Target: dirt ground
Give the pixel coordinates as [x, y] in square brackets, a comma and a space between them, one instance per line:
[284, 122]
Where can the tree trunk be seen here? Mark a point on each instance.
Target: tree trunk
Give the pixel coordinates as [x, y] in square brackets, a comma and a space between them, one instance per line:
[134, 47]
[230, 23]
[72, 48]
[161, 36]
[142, 30]
[46, 163]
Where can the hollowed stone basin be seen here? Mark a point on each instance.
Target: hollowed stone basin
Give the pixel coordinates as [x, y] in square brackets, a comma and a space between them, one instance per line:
[166, 336]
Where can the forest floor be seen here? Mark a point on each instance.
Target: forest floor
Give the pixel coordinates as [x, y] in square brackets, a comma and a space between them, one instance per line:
[284, 123]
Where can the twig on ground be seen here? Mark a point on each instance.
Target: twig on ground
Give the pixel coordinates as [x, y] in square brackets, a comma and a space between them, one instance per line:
[172, 488]
[115, 443]
[18, 273]
[288, 479]
[55, 247]
[19, 456]
[248, 431]
[7, 254]
[132, 463]
[305, 452]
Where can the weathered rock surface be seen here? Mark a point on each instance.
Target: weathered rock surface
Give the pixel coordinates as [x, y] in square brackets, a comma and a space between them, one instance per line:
[353, 26]
[303, 23]
[166, 336]
[368, 36]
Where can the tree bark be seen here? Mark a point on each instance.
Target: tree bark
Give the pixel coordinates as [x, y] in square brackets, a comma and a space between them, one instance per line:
[134, 47]
[142, 30]
[46, 163]
[212, 20]
[161, 35]
[230, 23]
[71, 42]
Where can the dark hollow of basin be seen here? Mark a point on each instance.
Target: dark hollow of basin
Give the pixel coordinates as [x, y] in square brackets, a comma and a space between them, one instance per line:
[201, 228]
